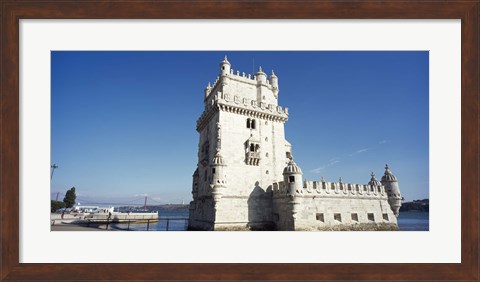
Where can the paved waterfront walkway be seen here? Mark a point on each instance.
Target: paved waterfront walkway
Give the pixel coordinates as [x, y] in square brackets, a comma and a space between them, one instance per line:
[66, 224]
[75, 227]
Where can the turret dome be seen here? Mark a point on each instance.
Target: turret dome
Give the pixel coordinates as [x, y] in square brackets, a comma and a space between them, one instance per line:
[225, 62]
[292, 168]
[374, 181]
[388, 176]
[273, 74]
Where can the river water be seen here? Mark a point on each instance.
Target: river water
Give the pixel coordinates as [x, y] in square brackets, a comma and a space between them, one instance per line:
[407, 221]
[413, 221]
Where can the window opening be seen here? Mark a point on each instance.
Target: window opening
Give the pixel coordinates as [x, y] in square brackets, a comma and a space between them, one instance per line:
[320, 217]
[370, 217]
[337, 217]
[355, 217]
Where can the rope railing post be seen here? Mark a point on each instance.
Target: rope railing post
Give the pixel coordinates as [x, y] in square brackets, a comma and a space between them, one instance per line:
[168, 223]
[128, 228]
[148, 224]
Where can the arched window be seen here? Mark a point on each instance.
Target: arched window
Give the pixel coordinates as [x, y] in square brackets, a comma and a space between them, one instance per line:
[253, 124]
[248, 123]
[252, 148]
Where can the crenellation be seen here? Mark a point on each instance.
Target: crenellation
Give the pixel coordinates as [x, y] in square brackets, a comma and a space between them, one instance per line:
[341, 189]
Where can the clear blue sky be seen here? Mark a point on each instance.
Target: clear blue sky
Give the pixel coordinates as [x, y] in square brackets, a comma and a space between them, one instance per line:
[123, 123]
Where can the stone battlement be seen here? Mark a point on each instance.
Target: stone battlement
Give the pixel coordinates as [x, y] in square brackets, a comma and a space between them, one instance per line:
[243, 77]
[338, 189]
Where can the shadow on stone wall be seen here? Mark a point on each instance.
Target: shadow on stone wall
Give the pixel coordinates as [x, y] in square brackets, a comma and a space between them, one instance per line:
[260, 203]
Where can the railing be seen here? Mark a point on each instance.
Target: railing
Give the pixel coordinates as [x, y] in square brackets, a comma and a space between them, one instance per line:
[184, 219]
[109, 222]
[115, 224]
[253, 155]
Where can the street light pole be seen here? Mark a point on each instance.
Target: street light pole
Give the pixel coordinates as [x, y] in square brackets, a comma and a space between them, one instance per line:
[54, 166]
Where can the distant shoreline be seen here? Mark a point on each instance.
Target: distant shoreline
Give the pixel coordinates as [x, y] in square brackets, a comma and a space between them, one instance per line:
[416, 206]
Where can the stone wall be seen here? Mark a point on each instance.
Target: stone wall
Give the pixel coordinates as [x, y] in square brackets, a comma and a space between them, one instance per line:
[332, 206]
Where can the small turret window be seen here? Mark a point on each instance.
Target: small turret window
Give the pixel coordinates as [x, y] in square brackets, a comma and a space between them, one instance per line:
[213, 170]
[291, 179]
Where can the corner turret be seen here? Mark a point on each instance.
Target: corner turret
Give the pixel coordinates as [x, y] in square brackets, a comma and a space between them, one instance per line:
[393, 191]
[225, 67]
[195, 184]
[207, 90]
[261, 76]
[274, 82]
[219, 182]
[292, 177]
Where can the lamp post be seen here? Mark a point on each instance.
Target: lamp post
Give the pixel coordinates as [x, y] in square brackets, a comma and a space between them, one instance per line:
[54, 166]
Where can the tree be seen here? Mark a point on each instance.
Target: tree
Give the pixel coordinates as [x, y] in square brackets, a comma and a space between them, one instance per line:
[55, 205]
[70, 198]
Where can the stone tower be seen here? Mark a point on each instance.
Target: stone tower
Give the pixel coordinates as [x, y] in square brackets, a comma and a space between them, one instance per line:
[246, 178]
[242, 151]
[393, 191]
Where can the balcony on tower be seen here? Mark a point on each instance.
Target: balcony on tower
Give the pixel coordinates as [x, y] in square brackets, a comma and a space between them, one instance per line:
[252, 151]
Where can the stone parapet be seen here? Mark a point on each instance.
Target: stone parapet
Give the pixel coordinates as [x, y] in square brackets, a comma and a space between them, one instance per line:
[333, 189]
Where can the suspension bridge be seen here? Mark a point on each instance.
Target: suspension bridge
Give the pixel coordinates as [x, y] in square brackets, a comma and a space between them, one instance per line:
[130, 202]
